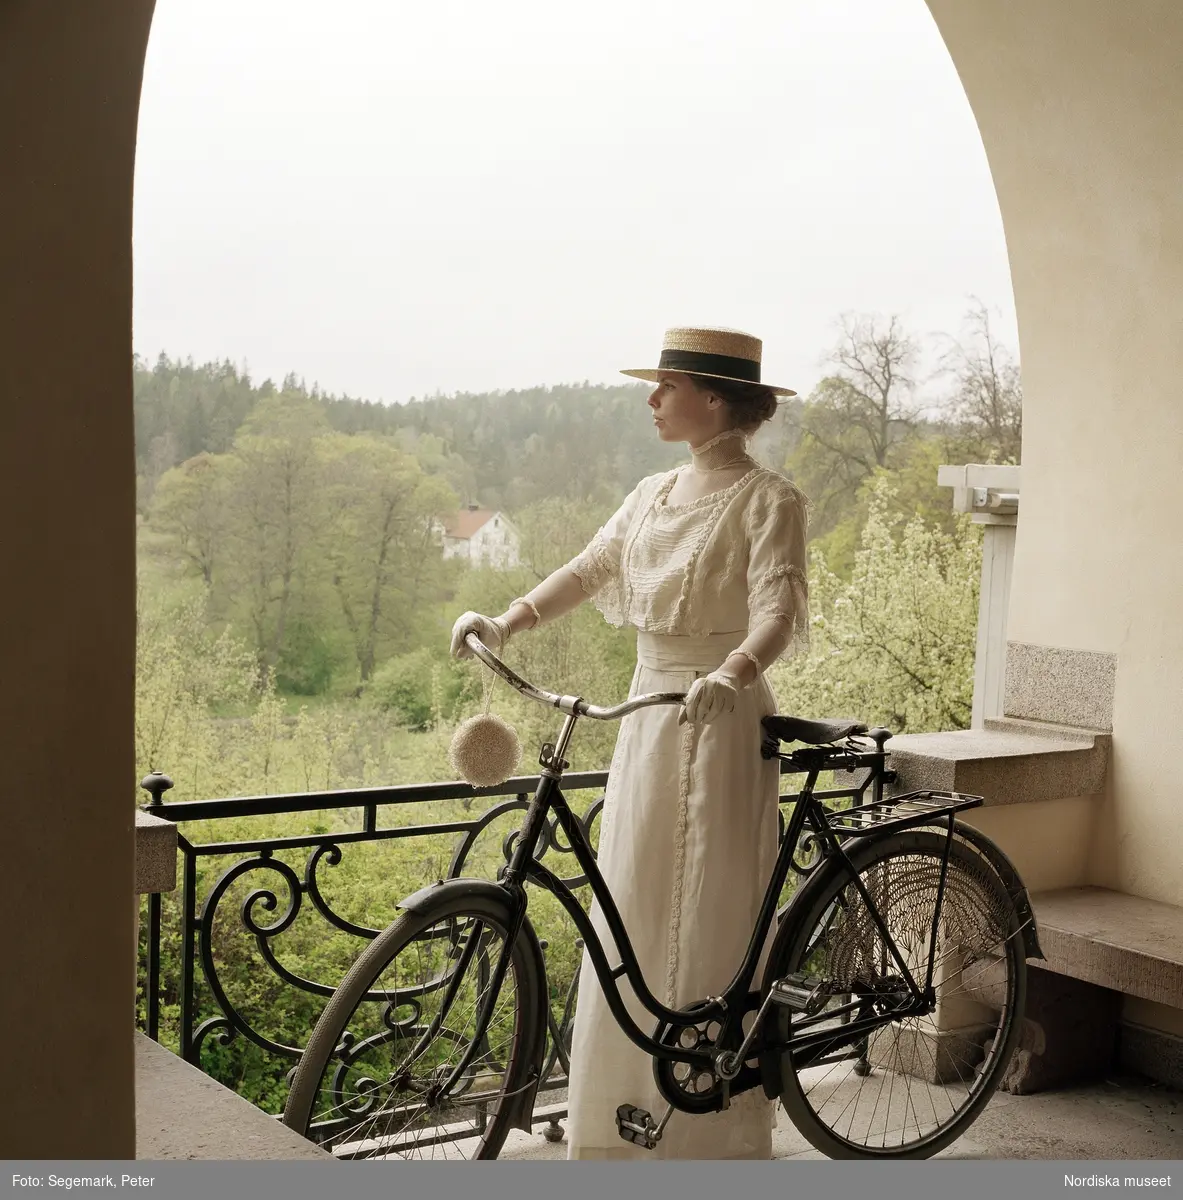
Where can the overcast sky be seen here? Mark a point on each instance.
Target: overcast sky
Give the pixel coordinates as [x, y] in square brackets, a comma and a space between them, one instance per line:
[395, 199]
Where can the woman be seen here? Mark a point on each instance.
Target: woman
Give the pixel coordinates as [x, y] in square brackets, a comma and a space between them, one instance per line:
[707, 562]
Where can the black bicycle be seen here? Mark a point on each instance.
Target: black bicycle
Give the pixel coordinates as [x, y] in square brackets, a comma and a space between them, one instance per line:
[886, 1013]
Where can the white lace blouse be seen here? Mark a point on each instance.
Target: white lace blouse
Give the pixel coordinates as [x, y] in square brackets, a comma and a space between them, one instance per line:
[726, 562]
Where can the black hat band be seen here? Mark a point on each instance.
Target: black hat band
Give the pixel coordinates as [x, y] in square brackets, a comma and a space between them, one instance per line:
[694, 363]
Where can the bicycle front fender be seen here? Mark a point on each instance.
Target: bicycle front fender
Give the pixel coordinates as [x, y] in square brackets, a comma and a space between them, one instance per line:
[426, 898]
[504, 904]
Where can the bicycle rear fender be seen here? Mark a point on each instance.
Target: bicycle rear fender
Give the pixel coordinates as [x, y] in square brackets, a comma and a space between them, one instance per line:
[1015, 887]
[519, 1108]
[989, 850]
[803, 898]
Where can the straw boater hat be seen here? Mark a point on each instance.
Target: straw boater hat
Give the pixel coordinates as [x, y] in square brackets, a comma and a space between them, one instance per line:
[711, 351]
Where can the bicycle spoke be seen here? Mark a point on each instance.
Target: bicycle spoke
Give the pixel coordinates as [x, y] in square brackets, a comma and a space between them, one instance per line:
[932, 1069]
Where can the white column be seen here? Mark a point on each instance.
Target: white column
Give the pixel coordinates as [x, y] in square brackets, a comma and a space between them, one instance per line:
[998, 553]
[991, 494]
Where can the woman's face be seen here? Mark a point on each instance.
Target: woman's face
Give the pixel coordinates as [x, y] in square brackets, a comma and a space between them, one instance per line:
[684, 413]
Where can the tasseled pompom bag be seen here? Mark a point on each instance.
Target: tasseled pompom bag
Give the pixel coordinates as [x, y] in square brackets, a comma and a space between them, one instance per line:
[485, 750]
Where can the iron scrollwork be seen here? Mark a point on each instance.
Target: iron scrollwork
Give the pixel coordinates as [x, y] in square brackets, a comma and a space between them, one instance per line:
[271, 910]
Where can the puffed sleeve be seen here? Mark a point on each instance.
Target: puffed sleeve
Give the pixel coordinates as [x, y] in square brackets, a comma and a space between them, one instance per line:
[778, 589]
[597, 567]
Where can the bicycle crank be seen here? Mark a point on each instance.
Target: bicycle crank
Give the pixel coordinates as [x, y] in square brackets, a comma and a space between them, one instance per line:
[636, 1125]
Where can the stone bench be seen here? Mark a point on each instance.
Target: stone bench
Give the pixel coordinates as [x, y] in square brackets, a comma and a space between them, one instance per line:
[1113, 940]
[1099, 945]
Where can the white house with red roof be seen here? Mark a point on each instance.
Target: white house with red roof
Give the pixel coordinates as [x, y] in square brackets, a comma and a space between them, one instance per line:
[483, 536]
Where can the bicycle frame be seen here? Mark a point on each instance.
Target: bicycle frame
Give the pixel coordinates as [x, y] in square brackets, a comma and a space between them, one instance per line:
[738, 997]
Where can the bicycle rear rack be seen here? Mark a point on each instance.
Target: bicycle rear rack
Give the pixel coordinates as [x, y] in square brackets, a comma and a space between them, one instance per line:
[899, 812]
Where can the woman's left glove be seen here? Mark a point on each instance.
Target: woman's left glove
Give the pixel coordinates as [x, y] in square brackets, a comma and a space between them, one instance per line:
[491, 630]
[710, 697]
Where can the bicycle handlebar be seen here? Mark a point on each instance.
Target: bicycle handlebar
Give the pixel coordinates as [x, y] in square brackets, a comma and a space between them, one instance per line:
[567, 704]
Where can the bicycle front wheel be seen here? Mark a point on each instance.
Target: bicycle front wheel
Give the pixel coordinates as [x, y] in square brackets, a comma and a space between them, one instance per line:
[370, 1083]
[916, 1083]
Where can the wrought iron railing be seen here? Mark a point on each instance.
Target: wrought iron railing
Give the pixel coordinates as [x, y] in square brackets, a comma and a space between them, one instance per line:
[184, 986]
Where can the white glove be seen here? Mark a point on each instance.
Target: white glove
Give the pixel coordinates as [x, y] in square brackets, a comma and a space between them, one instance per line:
[492, 632]
[710, 697]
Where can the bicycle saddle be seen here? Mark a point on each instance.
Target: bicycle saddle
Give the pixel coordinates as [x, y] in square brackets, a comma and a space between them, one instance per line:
[815, 733]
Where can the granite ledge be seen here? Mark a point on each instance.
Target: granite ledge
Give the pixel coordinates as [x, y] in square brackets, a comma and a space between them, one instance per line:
[181, 1113]
[1009, 762]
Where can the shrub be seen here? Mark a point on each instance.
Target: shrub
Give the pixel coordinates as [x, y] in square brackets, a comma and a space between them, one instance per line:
[416, 687]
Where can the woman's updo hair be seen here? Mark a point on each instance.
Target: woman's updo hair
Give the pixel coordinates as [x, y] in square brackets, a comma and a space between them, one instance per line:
[750, 404]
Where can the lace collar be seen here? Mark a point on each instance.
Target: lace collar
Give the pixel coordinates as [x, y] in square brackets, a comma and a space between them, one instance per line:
[719, 496]
[727, 449]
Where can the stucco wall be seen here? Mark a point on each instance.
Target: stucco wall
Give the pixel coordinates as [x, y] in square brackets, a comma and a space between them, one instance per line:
[69, 92]
[1079, 104]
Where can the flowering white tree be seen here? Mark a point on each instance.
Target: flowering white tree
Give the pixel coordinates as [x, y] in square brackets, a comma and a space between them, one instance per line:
[893, 645]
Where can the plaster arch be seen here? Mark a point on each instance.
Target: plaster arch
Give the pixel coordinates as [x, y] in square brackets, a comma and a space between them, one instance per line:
[1077, 102]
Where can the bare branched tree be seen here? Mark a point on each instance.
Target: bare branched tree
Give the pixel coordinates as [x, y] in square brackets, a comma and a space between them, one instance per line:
[986, 400]
[861, 413]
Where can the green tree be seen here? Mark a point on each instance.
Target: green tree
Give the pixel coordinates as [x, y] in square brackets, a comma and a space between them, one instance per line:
[190, 504]
[419, 688]
[183, 674]
[894, 644]
[387, 568]
[913, 492]
[275, 509]
[182, 409]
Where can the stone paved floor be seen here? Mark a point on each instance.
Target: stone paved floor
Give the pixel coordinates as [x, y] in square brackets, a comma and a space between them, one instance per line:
[183, 1114]
[1121, 1118]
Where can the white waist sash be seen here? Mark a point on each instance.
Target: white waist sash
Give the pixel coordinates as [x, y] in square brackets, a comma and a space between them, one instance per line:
[665, 652]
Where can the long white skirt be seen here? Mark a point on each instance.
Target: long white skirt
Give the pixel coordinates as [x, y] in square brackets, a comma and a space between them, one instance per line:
[688, 839]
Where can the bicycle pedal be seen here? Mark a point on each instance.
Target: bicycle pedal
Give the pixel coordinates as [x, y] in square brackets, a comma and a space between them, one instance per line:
[636, 1125]
[795, 997]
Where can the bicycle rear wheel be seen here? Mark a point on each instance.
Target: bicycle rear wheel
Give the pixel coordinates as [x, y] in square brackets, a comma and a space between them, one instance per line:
[367, 1086]
[916, 1084]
